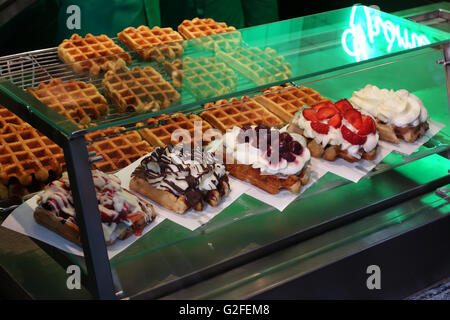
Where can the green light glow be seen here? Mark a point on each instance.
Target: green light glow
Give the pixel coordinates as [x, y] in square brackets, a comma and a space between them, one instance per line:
[369, 32]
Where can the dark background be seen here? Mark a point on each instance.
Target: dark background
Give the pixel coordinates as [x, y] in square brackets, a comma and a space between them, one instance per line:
[37, 29]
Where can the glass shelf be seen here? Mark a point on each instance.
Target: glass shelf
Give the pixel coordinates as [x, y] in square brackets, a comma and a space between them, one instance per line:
[305, 47]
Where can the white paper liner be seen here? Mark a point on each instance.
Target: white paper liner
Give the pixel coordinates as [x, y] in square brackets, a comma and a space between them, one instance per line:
[191, 219]
[21, 220]
[282, 199]
[407, 148]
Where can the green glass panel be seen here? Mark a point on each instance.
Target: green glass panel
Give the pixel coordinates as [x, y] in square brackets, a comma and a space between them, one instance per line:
[244, 61]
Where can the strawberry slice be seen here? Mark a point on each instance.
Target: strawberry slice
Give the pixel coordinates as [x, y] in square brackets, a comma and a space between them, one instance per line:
[368, 126]
[352, 137]
[326, 112]
[343, 105]
[335, 121]
[354, 117]
[310, 114]
[320, 105]
[320, 127]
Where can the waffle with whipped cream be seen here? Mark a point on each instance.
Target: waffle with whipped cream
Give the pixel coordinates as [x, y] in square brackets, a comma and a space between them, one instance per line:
[225, 114]
[165, 129]
[122, 213]
[78, 101]
[259, 66]
[398, 114]
[139, 89]
[285, 101]
[117, 148]
[337, 130]
[92, 54]
[266, 158]
[181, 179]
[153, 44]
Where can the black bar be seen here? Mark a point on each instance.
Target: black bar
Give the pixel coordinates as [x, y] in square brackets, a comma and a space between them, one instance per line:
[213, 270]
[88, 219]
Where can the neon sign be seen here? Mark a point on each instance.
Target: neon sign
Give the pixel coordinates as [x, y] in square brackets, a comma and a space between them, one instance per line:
[365, 29]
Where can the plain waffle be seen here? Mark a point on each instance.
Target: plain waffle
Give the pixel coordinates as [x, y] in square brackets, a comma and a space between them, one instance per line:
[203, 77]
[225, 114]
[260, 66]
[140, 89]
[156, 43]
[223, 36]
[92, 54]
[159, 134]
[75, 100]
[286, 101]
[26, 154]
[8, 117]
[117, 150]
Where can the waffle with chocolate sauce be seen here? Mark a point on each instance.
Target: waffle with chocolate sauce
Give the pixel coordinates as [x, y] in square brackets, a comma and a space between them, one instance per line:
[225, 114]
[139, 89]
[117, 150]
[285, 101]
[259, 66]
[162, 128]
[92, 54]
[153, 44]
[181, 179]
[78, 101]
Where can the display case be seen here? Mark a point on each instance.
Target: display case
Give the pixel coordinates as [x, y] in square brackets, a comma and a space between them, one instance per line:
[334, 53]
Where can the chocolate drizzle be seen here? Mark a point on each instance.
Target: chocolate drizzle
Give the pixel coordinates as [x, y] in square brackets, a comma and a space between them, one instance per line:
[183, 171]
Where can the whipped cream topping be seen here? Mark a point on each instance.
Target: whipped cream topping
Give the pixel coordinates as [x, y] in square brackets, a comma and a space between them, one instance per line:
[251, 154]
[182, 171]
[116, 205]
[400, 108]
[334, 136]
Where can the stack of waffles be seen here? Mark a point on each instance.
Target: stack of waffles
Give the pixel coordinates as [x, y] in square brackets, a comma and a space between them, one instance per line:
[203, 77]
[139, 89]
[222, 36]
[260, 66]
[92, 54]
[153, 44]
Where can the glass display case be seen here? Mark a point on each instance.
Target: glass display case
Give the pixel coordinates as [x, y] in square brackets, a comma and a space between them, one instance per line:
[334, 53]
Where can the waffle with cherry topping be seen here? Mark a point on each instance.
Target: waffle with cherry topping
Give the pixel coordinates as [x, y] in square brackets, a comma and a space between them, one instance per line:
[78, 101]
[92, 54]
[226, 114]
[153, 44]
[139, 89]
